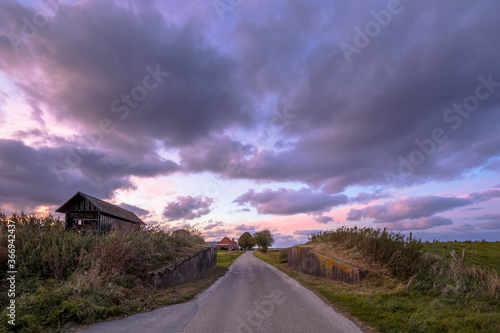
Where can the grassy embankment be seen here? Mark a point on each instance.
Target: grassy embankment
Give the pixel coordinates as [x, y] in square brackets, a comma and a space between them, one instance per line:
[64, 279]
[411, 286]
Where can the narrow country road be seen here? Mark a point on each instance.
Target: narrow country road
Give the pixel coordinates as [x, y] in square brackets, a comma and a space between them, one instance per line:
[253, 296]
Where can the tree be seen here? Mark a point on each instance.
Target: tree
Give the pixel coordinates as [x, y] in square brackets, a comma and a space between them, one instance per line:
[264, 239]
[246, 241]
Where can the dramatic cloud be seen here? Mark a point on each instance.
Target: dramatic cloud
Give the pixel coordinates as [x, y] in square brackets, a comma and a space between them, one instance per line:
[218, 154]
[243, 227]
[25, 170]
[187, 208]
[419, 224]
[355, 214]
[357, 133]
[408, 208]
[289, 202]
[323, 219]
[485, 195]
[138, 211]
[105, 95]
[213, 224]
[178, 88]
[364, 197]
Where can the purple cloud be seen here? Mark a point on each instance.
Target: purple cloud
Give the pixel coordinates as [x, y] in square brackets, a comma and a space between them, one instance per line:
[137, 210]
[217, 154]
[187, 208]
[60, 172]
[211, 225]
[243, 227]
[485, 195]
[364, 197]
[420, 223]
[168, 79]
[290, 202]
[323, 219]
[407, 208]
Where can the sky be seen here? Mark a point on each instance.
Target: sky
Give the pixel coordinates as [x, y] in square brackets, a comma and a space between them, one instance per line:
[242, 115]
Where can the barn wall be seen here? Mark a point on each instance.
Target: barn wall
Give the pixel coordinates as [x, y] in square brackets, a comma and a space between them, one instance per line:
[81, 204]
[78, 205]
[305, 260]
[107, 222]
[189, 269]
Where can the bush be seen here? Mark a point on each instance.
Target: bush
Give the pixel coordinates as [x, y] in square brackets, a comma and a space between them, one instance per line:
[401, 256]
[45, 248]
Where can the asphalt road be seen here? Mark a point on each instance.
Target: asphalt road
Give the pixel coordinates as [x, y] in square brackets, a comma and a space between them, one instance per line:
[253, 296]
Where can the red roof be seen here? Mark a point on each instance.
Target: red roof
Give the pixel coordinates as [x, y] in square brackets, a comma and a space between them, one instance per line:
[226, 242]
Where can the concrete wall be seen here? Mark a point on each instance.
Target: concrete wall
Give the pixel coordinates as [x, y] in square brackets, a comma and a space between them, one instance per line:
[309, 262]
[189, 269]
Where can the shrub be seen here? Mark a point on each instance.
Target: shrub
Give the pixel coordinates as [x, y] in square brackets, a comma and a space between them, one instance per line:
[45, 248]
[402, 256]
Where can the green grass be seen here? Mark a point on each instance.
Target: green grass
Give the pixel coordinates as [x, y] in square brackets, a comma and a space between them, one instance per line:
[481, 254]
[274, 256]
[226, 258]
[453, 299]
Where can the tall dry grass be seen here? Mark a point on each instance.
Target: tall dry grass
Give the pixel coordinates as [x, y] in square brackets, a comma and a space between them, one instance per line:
[400, 255]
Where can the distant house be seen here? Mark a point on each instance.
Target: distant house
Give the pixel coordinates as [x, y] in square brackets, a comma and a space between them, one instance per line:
[227, 244]
[85, 213]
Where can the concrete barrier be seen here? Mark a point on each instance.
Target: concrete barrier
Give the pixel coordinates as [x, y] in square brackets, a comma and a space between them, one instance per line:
[305, 260]
[188, 269]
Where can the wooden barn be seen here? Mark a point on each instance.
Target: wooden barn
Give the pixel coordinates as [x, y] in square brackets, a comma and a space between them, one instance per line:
[84, 213]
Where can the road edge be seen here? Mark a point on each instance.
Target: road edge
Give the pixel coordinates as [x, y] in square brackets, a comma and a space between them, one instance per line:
[361, 325]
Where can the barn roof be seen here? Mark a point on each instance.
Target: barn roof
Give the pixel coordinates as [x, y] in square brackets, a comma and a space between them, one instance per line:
[226, 240]
[104, 207]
